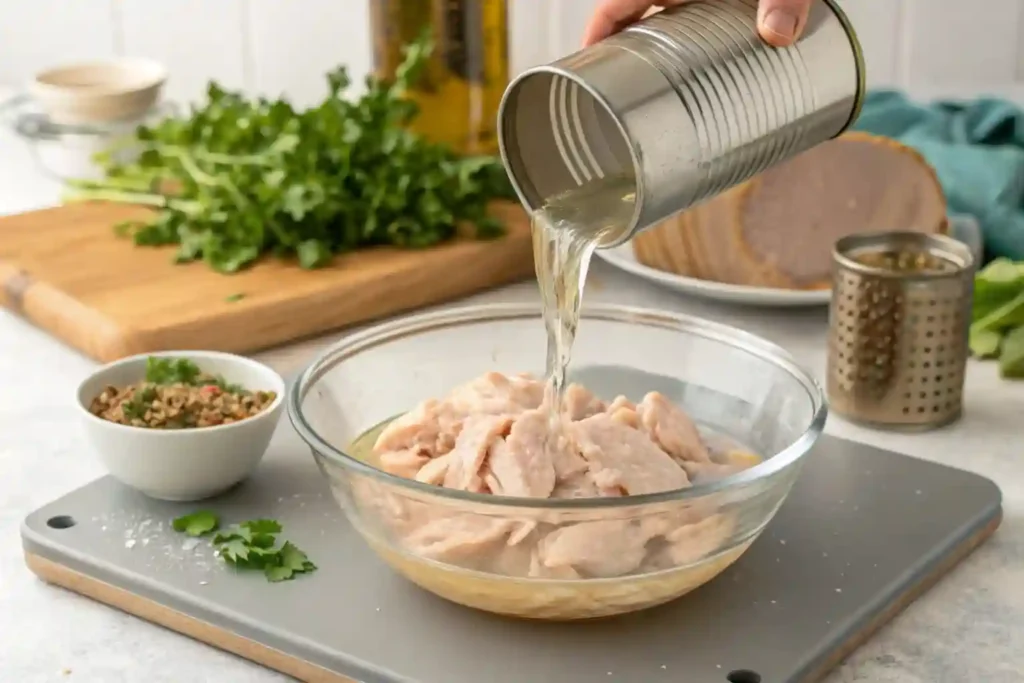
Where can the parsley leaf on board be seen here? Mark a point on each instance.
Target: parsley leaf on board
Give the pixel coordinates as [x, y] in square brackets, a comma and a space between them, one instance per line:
[292, 561]
[253, 545]
[240, 178]
[262, 526]
[234, 550]
[259, 533]
[278, 573]
[197, 524]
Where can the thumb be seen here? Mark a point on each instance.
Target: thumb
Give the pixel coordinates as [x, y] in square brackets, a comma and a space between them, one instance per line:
[780, 22]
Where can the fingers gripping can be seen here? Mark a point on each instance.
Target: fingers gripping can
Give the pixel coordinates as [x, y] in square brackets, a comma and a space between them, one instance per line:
[679, 107]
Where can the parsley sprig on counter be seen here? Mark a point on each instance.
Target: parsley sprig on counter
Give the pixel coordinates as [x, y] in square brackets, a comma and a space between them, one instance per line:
[239, 178]
[196, 524]
[249, 545]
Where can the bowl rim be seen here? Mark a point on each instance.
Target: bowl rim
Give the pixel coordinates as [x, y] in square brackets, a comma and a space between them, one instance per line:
[148, 74]
[713, 331]
[196, 356]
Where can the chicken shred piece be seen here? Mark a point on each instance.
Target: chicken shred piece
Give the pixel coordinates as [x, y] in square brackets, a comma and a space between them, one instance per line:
[694, 542]
[457, 537]
[672, 429]
[477, 435]
[621, 402]
[496, 394]
[404, 463]
[603, 549]
[538, 570]
[434, 471]
[493, 486]
[430, 428]
[626, 416]
[641, 466]
[523, 463]
[580, 485]
[578, 403]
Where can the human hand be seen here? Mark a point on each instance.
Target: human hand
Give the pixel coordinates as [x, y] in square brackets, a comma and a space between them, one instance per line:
[779, 22]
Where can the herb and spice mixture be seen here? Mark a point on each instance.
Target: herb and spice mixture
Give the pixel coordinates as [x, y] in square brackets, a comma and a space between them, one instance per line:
[240, 178]
[177, 394]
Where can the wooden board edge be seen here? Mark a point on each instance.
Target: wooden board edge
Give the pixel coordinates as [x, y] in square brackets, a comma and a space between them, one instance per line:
[152, 611]
[59, 314]
[903, 601]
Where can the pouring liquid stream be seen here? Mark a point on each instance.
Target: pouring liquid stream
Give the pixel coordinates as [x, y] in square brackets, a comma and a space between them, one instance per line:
[566, 230]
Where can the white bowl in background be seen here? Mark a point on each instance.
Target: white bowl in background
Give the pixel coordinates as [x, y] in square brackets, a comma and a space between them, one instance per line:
[182, 464]
[99, 92]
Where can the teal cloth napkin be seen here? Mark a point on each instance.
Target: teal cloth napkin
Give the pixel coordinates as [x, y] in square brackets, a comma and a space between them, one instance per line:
[977, 150]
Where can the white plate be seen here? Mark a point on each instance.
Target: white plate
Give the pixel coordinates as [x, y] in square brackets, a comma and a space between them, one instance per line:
[622, 257]
[963, 228]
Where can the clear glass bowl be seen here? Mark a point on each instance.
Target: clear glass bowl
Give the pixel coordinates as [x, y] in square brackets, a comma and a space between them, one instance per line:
[731, 382]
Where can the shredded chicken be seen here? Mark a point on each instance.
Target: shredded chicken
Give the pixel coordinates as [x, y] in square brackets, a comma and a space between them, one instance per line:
[495, 435]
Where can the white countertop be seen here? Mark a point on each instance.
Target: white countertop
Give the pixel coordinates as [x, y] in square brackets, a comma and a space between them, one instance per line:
[968, 628]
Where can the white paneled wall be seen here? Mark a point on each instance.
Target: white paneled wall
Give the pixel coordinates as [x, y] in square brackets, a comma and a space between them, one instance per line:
[293, 43]
[280, 46]
[198, 40]
[952, 47]
[880, 27]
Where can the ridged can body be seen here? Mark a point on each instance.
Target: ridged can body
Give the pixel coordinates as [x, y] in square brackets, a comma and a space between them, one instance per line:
[897, 341]
[686, 103]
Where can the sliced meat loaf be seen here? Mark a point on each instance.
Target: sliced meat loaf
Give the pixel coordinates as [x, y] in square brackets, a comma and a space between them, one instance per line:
[778, 229]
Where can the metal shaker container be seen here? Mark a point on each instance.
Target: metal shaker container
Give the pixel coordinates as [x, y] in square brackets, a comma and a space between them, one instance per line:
[898, 325]
[679, 107]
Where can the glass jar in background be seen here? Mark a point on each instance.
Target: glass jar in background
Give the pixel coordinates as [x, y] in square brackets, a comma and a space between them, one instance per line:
[468, 71]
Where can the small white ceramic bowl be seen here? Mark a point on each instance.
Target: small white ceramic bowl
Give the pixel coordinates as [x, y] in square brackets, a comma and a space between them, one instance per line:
[182, 464]
[99, 92]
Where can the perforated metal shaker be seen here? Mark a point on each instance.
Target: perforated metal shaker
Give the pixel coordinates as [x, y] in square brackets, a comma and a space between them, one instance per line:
[683, 104]
[898, 324]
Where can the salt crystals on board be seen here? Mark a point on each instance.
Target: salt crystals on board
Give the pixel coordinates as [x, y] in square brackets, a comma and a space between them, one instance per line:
[170, 552]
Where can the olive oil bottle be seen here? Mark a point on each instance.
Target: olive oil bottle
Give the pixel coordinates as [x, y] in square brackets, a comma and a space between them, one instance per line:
[462, 85]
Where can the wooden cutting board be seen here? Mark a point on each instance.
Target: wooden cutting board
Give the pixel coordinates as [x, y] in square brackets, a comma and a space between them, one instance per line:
[65, 270]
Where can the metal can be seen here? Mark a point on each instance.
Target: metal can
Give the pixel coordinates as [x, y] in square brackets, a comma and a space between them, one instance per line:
[679, 107]
[898, 327]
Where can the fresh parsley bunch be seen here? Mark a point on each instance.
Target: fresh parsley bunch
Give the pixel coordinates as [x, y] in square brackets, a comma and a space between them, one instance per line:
[240, 178]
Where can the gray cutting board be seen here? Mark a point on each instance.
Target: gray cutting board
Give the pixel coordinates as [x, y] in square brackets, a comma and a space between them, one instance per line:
[862, 534]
